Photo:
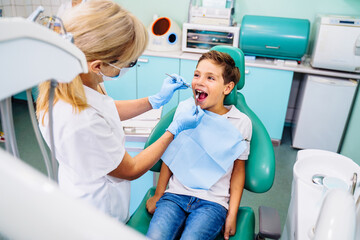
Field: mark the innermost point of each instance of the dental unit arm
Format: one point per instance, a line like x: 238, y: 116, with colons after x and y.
x: 31, y: 54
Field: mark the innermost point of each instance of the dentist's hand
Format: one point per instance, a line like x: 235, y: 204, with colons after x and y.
x: 168, y: 88
x: 186, y: 119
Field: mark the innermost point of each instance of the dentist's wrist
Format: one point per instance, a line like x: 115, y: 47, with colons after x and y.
x: 155, y: 101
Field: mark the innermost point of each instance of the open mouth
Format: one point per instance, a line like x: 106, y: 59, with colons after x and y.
x: 201, y: 95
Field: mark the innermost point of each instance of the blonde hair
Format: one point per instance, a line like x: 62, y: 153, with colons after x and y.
x: 104, y: 31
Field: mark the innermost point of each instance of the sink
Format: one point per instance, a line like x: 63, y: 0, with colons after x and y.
x: 307, y: 195
x: 312, y: 162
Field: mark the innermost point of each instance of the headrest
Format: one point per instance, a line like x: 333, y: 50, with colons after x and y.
x: 239, y: 59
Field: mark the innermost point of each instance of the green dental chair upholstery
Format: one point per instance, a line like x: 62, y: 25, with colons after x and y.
x: 260, y: 166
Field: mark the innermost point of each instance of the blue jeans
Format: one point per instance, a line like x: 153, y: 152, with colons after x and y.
x: 186, y: 217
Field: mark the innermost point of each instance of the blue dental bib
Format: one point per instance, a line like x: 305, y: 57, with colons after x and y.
x: 199, y: 157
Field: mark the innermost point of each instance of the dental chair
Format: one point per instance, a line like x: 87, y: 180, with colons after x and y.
x: 260, y: 166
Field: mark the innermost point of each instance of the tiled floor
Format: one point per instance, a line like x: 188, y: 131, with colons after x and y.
x: 277, y: 197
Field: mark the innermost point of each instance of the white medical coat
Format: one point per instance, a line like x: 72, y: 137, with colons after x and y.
x: 89, y: 145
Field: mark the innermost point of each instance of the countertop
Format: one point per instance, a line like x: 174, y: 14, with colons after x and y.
x: 287, y: 65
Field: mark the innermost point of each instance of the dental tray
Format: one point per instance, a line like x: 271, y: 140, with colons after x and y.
x: 142, y: 124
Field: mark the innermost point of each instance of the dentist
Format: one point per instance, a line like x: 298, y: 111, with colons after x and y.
x: 88, y: 134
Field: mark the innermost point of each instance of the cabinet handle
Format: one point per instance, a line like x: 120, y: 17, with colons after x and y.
x: 143, y: 60
x: 272, y: 47
x: 247, y: 71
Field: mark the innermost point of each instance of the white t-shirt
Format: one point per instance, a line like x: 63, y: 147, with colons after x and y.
x: 89, y: 145
x: 219, y: 192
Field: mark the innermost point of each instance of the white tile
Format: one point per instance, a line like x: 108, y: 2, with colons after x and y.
x: 6, y: 2
x: 7, y: 11
x: 51, y: 11
x: 36, y: 2
x: 54, y: 10
x: 1, y: 4
x: 55, y: 3
x: 21, y: 11
x: 47, y: 11
x: 27, y: 2
x: 19, y: 2
x: 28, y: 10
x: 34, y: 7
x: 46, y: 2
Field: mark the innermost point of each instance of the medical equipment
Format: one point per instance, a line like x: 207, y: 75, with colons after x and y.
x: 337, y: 43
x: 212, y: 12
x: 330, y: 224
x: 196, y: 102
x: 275, y: 37
x: 326, y: 209
x: 200, y: 38
x: 321, y: 111
x: 164, y: 35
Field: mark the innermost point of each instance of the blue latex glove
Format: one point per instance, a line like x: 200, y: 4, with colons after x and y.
x: 185, y: 119
x: 168, y: 88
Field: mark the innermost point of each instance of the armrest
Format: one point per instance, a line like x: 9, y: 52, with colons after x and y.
x: 245, y: 225
x: 140, y: 219
x: 269, y: 223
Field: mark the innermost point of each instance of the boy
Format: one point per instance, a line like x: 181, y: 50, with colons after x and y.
x: 201, y: 213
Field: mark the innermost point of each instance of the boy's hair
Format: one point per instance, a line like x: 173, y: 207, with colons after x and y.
x: 231, y: 73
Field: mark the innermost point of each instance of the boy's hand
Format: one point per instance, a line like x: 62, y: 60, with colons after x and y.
x: 151, y: 204
x: 230, y: 226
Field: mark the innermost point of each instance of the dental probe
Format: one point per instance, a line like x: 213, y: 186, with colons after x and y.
x: 174, y: 78
x: 196, y: 100
x: 188, y: 85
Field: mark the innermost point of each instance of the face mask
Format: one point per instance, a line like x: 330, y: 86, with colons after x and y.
x: 121, y: 73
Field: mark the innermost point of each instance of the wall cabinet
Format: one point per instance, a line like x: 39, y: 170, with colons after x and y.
x: 267, y: 93
x: 124, y: 88
x: 144, y: 80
